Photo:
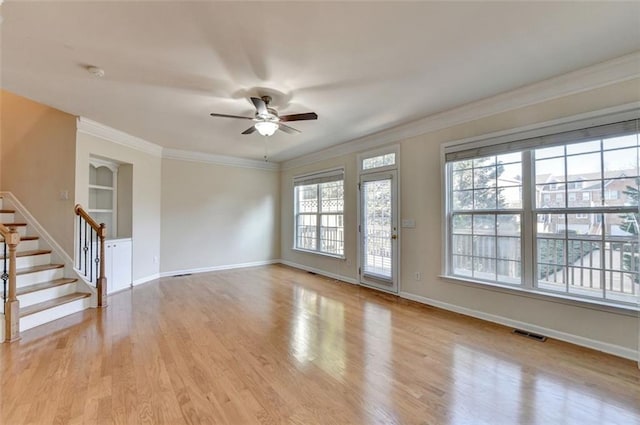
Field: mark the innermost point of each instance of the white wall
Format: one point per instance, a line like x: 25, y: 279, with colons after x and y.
x: 146, y: 215
x: 215, y: 216
x: 421, y: 189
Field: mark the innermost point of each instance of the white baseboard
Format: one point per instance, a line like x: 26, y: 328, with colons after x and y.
x: 218, y: 268
x: 145, y: 279
x: 320, y: 272
x: 616, y: 350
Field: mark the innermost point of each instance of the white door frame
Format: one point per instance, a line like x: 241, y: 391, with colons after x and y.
x: 371, y: 174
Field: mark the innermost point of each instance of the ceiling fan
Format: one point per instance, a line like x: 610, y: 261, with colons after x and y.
x: 267, y: 120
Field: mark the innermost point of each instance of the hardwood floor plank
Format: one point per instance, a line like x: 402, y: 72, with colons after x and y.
x: 275, y: 345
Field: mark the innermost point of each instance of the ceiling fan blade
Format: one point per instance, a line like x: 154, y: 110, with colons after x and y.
x: 299, y: 117
x: 230, y: 116
x: 288, y: 129
x: 249, y: 130
x: 261, y: 107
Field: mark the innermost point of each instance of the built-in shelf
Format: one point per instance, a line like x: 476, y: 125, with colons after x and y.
x: 96, y: 186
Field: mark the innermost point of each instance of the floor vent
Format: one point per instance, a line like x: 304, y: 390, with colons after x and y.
x: 181, y: 275
x: 312, y: 272
x: 531, y: 335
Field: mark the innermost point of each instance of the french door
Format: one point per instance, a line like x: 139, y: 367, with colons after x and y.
x: 378, y: 228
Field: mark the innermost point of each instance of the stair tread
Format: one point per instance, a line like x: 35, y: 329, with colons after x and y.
x: 35, y: 269
x: 24, y: 238
x: 44, y: 285
x: 7, y: 211
x: 21, y: 224
x: 30, y: 253
x: 36, y: 308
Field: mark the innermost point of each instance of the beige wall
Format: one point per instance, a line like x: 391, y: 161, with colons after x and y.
x: 37, y: 146
x: 145, y: 196
x: 421, y: 248
x: 216, y: 215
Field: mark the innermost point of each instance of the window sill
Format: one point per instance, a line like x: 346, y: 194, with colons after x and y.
x: 625, y: 310
x: 324, y: 254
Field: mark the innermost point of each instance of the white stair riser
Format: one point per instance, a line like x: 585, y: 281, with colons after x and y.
x: 27, y: 246
x: 22, y: 230
x: 38, y: 277
x: 33, y: 260
x: 7, y: 217
x: 51, y: 314
x: 46, y: 294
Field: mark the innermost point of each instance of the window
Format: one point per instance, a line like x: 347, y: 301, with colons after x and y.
x: 586, y: 247
x: 319, y: 206
x: 379, y: 161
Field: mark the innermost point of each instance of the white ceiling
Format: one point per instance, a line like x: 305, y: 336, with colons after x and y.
x: 362, y: 67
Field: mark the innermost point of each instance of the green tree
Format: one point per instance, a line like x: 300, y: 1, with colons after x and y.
x: 631, y: 258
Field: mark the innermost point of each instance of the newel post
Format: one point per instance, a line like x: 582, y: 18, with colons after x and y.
x: 102, y: 278
x: 12, y: 305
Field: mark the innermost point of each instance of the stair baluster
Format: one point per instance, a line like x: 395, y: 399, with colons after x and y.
x: 11, y: 303
x: 86, y: 249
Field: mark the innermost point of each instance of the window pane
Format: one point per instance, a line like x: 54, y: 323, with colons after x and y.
x: 508, y: 248
x: 463, y: 200
x: 550, y: 171
x: 620, y: 142
x: 462, y: 265
x: 379, y: 161
x: 332, y: 196
x: 549, y: 152
x: 484, y: 268
x: 484, y: 177
x: 485, y: 199
x: 509, y: 271
x: 583, y: 147
x: 484, y: 224
x: 463, y: 180
x: 307, y: 198
x: 306, y: 232
x: 332, y: 234
x: 620, y: 163
x: 508, y: 224
x: 585, y: 166
x: 551, y: 224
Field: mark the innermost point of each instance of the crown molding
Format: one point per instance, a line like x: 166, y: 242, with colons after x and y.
x: 207, y: 158
x: 96, y: 129
x: 600, y: 75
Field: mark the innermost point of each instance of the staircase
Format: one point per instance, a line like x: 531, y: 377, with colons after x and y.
x: 43, y: 287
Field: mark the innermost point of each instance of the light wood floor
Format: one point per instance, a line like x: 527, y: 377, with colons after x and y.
x: 272, y: 345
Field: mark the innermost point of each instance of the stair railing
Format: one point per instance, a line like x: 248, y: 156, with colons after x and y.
x: 11, y: 239
x: 90, y: 260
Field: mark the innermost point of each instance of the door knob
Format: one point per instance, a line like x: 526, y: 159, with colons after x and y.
x: 394, y: 236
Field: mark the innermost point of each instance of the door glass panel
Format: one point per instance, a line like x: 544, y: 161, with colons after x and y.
x: 377, y: 228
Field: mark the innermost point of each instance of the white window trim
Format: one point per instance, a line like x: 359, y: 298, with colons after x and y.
x: 302, y: 177
x: 620, y: 113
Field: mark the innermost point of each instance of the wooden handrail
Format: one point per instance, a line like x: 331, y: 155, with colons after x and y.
x: 85, y: 215
x: 101, y: 232
x: 11, y: 304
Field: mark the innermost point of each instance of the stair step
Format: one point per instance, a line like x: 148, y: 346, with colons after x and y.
x: 44, y: 285
x: 30, y: 253
x: 7, y: 211
x: 14, y: 224
x: 24, y: 238
x: 36, y: 269
x: 36, y: 308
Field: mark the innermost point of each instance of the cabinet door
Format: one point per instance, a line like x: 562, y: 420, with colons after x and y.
x: 120, y: 253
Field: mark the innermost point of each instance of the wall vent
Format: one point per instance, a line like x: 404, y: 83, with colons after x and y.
x: 531, y: 335
x: 181, y: 275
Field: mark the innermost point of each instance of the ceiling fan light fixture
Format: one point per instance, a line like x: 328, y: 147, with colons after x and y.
x: 266, y: 128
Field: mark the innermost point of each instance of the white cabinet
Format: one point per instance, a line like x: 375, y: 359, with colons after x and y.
x: 118, y: 264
